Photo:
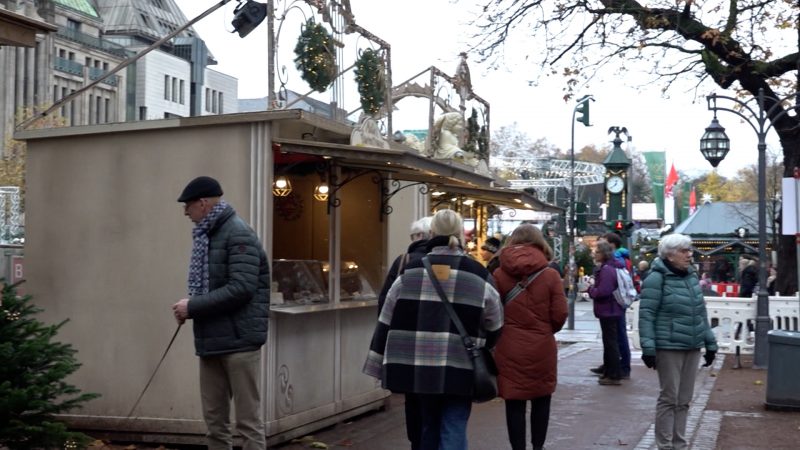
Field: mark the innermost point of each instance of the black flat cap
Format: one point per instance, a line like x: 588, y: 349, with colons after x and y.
x: 200, y: 187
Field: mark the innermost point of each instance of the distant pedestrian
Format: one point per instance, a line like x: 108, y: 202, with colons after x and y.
x: 228, y: 302
x: 415, y: 347
x: 621, y: 260
x: 420, y: 233
x: 673, y: 327
x: 644, y: 270
x: 526, y: 352
x: 748, y: 275
x: 489, y: 253
x: 607, y: 310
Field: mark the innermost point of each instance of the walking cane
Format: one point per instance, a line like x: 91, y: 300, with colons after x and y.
x: 154, y: 372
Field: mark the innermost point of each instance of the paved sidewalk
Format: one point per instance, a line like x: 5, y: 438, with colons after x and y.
x: 585, y: 415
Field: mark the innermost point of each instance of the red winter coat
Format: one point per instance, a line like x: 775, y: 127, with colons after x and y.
x: 526, y: 353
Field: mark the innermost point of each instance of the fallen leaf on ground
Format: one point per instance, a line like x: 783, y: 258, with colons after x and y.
x: 758, y: 382
x: 317, y: 444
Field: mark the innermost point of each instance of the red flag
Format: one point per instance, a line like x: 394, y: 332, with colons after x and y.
x: 672, y: 179
x: 692, y: 201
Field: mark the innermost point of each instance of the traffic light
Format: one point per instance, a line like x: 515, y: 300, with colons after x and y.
x: 583, y: 113
x: 619, y: 226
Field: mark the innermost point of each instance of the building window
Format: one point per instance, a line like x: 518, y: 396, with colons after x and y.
x: 143, y: 113
x: 72, y: 110
x: 208, y: 100
x: 73, y: 25
x: 214, y: 101
x: 91, y: 110
x: 107, y: 117
x: 174, y: 89
x: 219, y: 109
x: 64, y: 112
x: 183, y: 87
x: 99, y: 109
x: 157, y: 3
x: 72, y: 56
x: 105, y: 67
x: 166, y: 87
x: 88, y: 62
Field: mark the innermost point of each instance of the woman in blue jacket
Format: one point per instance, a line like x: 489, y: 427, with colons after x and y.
x: 607, y: 310
x: 673, y: 327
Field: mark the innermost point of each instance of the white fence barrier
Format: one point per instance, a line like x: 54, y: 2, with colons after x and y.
x: 733, y: 320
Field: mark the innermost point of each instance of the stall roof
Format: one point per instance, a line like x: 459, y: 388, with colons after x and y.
x: 19, y: 30
x: 411, y: 166
x: 504, y: 197
x: 402, y: 164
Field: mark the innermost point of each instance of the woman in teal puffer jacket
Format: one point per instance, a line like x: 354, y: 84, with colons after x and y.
x: 673, y: 327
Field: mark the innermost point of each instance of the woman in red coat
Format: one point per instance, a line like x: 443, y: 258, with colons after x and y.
x: 526, y: 353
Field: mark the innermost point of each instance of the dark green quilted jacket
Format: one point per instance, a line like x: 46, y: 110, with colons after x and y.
x: 672, y: 312
x: 233, y: 316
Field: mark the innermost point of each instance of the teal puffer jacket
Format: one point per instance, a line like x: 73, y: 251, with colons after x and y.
x: 233, y: 316
x: 672, y: 312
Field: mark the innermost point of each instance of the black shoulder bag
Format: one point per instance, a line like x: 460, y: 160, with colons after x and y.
x: 484, y: 370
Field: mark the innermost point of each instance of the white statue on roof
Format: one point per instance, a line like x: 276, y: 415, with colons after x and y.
x: 446, y: 132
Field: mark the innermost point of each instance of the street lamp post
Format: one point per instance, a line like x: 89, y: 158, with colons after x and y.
x: 715, y: 145
x: 582, y: 106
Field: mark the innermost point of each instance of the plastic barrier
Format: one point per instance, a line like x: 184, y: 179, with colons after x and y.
x: 733, y: 320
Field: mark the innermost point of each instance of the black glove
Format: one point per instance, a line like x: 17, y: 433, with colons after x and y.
x: 649, y: 361
x: 709, y: 356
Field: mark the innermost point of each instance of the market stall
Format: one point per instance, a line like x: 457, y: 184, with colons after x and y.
x: 107, y: 247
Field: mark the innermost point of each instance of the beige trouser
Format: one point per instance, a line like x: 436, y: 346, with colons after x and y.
x: 233, y: 375
x: 677, y: 370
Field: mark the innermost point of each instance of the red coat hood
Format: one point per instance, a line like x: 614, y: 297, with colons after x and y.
x: 522, y: 260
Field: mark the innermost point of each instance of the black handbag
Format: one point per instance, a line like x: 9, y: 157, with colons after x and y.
x: 484, y: 370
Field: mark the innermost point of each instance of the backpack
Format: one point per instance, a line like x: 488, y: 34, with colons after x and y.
x: 625, y: 293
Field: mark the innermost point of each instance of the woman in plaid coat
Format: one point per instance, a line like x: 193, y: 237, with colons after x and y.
x: 417, y: 349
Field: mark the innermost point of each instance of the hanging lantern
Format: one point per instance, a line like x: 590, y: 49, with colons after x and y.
x: 281, y: 187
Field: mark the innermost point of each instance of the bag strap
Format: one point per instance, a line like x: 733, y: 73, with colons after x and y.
x: 519, y: 287
x: 468, y: 342
x: 403, y: 262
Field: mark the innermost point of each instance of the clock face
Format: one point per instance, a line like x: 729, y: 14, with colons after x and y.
x: 615, y: 184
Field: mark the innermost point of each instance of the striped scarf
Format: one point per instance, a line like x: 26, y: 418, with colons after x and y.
x: 198, y: 264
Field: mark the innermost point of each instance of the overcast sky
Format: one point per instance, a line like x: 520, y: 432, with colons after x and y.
x: 423, y: 33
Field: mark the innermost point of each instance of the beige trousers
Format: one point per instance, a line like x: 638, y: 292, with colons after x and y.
x: 234, y: 375
x: 677, y: 370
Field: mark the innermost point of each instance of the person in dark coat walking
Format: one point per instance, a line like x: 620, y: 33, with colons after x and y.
x: 228, y: 303
x: 607, y: 310
x: 526, y: 353
x: 420, y: 233
x: 748, y: 268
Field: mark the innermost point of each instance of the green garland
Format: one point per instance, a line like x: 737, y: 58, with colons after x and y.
x: 315, y: 58
x: 371, y: 82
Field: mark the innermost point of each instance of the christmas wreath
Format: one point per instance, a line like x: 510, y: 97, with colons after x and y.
x: 315, y: 58
x: 371, y: 82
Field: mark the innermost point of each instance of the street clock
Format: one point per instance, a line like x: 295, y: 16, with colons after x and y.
x: 617, y: 184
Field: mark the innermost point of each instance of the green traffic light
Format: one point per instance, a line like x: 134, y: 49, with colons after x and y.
x: 583, y: 113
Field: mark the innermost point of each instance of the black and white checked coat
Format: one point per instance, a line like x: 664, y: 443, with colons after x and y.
x: 415, y: 347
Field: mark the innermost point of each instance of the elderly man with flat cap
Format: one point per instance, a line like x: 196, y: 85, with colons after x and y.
x: 228, y: 303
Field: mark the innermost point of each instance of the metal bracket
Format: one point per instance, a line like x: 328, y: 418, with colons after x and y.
x: 388, y: 193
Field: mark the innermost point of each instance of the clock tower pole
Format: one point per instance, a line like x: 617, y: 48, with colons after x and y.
x: 617, y: 179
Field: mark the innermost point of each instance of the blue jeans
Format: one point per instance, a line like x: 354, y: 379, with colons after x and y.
x: 444, y: 421
x: 624, y: 347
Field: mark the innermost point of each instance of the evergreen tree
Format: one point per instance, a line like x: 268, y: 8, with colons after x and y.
x: 32, y: 373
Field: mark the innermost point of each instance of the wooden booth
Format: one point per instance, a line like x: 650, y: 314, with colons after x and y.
x: 107, y: 247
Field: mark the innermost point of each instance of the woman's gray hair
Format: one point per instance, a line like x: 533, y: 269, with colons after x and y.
x: 447, y: 222
x: 422, y: 226
x: 605, y: 249
x: 671, y: 243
